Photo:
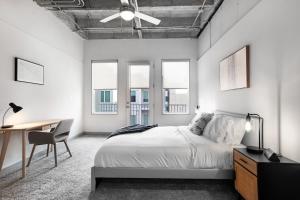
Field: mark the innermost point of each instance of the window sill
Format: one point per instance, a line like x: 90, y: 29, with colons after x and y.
x: 187, y: 113
x: 104, y: 113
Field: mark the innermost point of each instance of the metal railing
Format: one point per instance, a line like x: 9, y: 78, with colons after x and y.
x: 176, y: 108
x: 106, y: 107
x: 134, y: 107
x: 139, y: 113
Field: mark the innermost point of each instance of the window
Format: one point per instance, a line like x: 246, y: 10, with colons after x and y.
x: 133, y: 120
x: 104, y: 87
x: 145, y: 96
x: 145, y: 117
x: 132, y: 96
x: 105, y: 96
x: 139, y: 83
x: 175, y: 86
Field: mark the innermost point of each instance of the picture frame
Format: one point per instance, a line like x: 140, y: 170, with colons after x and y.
x: 29, y: 72
x: 235, y: 70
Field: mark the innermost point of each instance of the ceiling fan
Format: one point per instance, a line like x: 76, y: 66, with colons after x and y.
x: 128, y: 12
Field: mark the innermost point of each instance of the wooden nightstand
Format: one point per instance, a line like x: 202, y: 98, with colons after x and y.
x: 256, y: 178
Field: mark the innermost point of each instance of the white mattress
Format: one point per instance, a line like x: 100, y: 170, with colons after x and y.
x: 164, y: 147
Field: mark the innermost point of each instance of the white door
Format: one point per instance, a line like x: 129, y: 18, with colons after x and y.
x: 140, y: 94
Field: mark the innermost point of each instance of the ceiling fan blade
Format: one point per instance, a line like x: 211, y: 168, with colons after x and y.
x: 147, y: 18
x: 107, y: 19
x: 124, y: 2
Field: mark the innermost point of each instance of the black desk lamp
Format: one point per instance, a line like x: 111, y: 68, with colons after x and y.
x: 15, y: 108
x: 248, y: 127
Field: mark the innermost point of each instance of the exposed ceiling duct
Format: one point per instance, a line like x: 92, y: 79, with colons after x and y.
x: 179, y: 19
x: 60, y: 4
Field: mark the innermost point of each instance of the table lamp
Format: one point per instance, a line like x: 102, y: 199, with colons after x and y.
x: 15, y: 109
x: 248, y: 127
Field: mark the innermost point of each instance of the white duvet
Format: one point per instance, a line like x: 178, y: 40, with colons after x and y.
x: 164, y: 147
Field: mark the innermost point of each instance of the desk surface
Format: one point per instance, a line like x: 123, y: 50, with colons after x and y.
x: 31, y: 125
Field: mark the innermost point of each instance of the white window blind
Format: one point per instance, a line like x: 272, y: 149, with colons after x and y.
x: 104, y: 75
x: 139, y: 76
x: 175, y: 74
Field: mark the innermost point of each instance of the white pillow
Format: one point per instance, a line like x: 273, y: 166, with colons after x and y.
x: 235, y: 130
x: 216, y: 129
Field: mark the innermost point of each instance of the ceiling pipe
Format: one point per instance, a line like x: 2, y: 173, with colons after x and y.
x: 57, y: 2
x: 50, y: 2
x: 57, y: 7
x: 167, y: 28
x: 61, y: 4
x: 216, y: 8
x: 199, y: 12
x: 129, y: 29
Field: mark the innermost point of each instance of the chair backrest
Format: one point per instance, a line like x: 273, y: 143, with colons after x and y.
x: 63, y: 127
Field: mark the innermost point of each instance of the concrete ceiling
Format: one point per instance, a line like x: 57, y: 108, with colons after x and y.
x: 179, y: 18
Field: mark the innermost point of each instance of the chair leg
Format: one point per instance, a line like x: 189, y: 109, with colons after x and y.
x: 48, y: 146
x: 67, y: 148
x: 31, y: 154
x: 55, y: 155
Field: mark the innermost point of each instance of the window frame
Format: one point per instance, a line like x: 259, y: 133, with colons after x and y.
x: 143, y: 92
x: 162, y: 88
x: 93, y: 112
x: 132, y: 91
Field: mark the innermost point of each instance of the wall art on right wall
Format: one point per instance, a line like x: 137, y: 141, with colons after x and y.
x: 234, y: 70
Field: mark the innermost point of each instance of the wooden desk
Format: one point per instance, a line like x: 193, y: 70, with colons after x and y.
x: 22, y: 128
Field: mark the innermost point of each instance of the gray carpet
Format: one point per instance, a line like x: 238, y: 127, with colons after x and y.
x: 71, y: 180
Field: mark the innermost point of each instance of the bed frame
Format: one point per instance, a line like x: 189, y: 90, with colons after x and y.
x: 118, y: 172
x: 98, y: 173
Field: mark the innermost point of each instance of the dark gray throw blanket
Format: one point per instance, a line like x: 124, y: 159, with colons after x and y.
x: 131, y: 129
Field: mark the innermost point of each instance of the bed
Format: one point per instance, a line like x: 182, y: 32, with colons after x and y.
x: 171, y: 152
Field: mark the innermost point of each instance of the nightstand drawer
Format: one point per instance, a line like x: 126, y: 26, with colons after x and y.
x: 245, y: 182
x: 245, y: 162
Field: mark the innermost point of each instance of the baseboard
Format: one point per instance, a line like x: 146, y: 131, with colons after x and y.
x: 75, y: 136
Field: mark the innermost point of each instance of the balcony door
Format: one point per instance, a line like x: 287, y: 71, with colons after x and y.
x: 139, y: 98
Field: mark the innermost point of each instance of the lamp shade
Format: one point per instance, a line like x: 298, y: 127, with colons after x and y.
x: 15, y: 107
x: 248, y: 125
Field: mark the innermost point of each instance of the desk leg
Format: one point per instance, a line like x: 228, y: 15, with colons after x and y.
x: 23, y: 154
x: 6, y: 136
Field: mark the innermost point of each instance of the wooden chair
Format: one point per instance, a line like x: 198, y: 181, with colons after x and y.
x: 59, y: 134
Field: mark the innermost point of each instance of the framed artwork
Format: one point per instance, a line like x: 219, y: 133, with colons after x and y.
x: 234, y: 70
x: 29, y: 72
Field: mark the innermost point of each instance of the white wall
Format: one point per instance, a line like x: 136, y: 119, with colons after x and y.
x: 229, y: 13
x: 30, y: 32
x: 136, y: 50
x: 272, y: 30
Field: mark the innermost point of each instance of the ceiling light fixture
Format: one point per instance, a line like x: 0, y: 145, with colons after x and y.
x: 127, y: 12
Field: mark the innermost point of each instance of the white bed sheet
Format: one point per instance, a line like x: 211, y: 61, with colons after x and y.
x: 164, y: 147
